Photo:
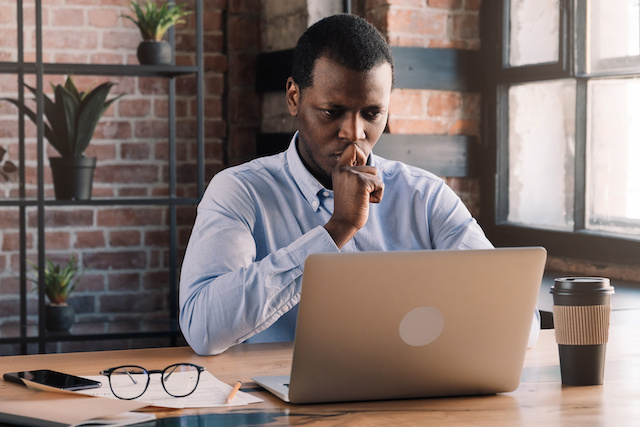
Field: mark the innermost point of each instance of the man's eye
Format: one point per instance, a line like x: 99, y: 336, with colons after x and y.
x: 330, y: 113
x: 372, y: 115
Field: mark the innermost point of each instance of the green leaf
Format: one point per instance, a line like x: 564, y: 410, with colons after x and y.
x: 66, y: 116
x: 71, y: 88
x: 48, y: 132
x: 91, y: 109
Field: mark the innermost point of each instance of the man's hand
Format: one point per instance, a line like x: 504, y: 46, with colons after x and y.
x: 355, y: 185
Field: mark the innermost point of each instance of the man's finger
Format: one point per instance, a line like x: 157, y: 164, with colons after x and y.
x: 361, y: 159
x: 348, y: 157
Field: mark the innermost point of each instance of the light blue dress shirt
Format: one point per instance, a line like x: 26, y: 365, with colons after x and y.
x: 257, y: 222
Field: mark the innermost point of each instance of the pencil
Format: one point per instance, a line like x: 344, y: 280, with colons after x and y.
x: 233, y: 392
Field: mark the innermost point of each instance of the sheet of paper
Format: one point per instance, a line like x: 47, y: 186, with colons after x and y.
x: 66, y: 409
x: 211, y: 392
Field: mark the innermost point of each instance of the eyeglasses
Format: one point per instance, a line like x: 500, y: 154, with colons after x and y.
x: 130, y: 382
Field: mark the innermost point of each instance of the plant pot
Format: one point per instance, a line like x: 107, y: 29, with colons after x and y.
x: 154, y: 53
x: 58, y: 317
x: 72, y: 177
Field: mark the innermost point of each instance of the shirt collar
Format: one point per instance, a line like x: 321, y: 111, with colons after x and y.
x: 307, y: 183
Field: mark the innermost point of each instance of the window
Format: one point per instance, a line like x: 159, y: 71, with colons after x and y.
x: 563, y: 108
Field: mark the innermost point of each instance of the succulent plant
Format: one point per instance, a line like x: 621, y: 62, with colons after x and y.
x: 60, y: 281
x: 153, y: 21
x: 72, y: 115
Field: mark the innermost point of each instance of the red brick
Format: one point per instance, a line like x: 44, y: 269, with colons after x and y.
x: 465, y: 26
x: 135, y: 151
x: 103, y: 151
x: 89, y: 239
x: 151, y: 129
x: 103, y: 18
x: 124, y: 238
x: 153, y: 86
x: 124, y: 281
x: 107, y: 58
x: 126, y: 174
x: 243, y: 32
x: 57, y: 240
x: 242, y: 70
x: 159, y: 238
x: 76, y: 217
x: 120, y: 40
x: 129, y: 217
x: 424, y: 126
x: 9, y: 218
x: 69, y: 39
x: 156, y: 280
x: 473, y: 5
x: 215, y: 62
x: 131, y: 303
x: 445, y: 4
x: 69, y: 17
x: 11, y: 241
x: 407, y: 103
x: 443, y: 104
x: 131, y: 107
x: 122, y: 260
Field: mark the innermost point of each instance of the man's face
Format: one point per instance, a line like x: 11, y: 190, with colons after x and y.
x: 342, y: 107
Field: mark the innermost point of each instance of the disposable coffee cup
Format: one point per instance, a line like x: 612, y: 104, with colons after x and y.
x: 581, y: 313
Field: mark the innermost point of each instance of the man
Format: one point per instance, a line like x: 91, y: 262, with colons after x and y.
x: 328, y: 192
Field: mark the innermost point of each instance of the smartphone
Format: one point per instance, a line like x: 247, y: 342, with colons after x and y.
x: 53, y: 379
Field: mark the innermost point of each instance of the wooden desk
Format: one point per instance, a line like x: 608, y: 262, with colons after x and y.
x: 540, y: 400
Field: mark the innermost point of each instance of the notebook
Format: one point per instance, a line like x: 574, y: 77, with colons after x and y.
x: 397, y: 325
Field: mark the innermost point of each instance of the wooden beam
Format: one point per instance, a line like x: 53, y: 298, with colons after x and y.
x: 415, y: 68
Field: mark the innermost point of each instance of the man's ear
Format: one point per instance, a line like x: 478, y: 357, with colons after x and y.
x: 293, y: 96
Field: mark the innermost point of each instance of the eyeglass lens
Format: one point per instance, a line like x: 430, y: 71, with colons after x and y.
x: 180, y: 380
x: 130, y: 382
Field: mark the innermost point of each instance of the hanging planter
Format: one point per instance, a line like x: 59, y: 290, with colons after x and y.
x: 153, y: 22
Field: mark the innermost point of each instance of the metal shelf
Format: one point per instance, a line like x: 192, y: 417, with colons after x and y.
x: 160, y: 201
x: 39, y: 68
x: 167, y: 71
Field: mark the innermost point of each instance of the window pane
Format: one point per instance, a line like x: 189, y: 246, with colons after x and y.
x: 613, y: 35
x: 534, y: 32
x: 613, y: 156
x: 541, y: 153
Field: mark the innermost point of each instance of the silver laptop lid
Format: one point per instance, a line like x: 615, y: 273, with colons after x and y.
x: 392, y: 325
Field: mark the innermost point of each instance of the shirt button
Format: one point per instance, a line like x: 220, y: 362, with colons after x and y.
x: 325, y: 193
x: 314, y: 204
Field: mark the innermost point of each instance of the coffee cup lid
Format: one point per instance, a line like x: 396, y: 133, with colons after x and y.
x: 572, y: 285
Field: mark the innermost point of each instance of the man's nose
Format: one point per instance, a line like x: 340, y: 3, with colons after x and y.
x: 352, y: 128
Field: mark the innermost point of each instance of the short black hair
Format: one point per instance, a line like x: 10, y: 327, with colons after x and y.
x: 347, y: 39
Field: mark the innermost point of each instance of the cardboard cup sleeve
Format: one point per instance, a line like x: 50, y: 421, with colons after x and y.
x: 581, y: 325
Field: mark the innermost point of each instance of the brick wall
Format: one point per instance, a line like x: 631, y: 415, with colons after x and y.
x: 433, y: 24
x: 125, y: 247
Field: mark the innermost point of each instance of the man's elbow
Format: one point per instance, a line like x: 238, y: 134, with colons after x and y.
x: 204, y: 342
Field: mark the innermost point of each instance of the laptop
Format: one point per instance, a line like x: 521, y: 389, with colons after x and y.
x: 398, y: 325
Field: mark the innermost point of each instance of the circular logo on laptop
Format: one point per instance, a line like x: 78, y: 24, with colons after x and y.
x: 421, y: 326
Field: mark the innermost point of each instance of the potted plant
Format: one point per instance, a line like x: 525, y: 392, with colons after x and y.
x: 59, y: 282
x: 153, y: 22
x: 72, y: 118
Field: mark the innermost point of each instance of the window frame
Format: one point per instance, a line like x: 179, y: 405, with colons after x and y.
x: 581, y: 243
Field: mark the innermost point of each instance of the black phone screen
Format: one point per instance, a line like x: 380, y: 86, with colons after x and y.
x: 53, y: 379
